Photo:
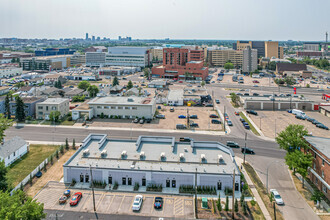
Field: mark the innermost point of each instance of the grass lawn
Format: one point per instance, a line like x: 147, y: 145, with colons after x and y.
x: 262, y: 191
x: 251, y: 126
x: 33, y: 122
x: 22, y: 167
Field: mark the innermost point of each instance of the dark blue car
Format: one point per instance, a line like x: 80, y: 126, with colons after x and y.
x: 158, y: 203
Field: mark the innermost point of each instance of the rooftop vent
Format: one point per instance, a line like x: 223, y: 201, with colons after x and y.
x: 132, y: 166
x: 104, y: 153
x: 86, y: 152
x: 203, y: 158
x: 162, y: 156
x: 185, y: 149
x: 142, y: 155
x: 124, y: 153
x: 130, y: 100
x: 181, y: 156
x: 220, y: 157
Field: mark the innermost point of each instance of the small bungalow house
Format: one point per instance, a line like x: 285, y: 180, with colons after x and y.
x: 13, y: 149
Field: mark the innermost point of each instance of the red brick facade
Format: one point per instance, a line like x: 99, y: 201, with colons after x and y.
x: 178, y: 61
x: 321, y: 167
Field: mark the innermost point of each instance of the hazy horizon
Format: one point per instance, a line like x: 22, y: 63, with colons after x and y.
x: 281, y: 20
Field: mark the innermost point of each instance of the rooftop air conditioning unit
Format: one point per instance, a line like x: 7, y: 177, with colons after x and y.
x: 181, y: 156
x: 86, y: 152
x: 203, y: 156
x: 124, y: 153
x: 162, y: 155
x: 220, y: 157
x: 142, y: 154
x: 185, y: 149
x: 104, y: 153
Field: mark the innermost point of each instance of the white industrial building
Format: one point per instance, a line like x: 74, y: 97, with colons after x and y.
x: 9, y: 71
x: 175, y: 97
x: 95, y: 59
x: 128, y: 56
x: 117, y: 107
x: 153, y: 160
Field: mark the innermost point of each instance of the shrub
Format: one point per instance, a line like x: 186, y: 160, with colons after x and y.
x: 73, y: 144
x: 21, y: 187
x: 155, y: 187
x: 56, y: 154
x: 228, y: 191
x: 45, y: 166
x: 111, y: 116
x: 227, y: 204
x: 66, y: 144
x: 115, y: 186
x: 70, y: 118
x: 30, y: 180
x: 51, y: 159
x: 29, y: 118
x: 62, y: 149
x: 99, y: 184
x: 219, y: 203
x: 73, y: 182
x: 236, y: 205
x: 245, y: 208
x: 253, y: 203
x: 242, y: 199
x: 136, y: 186
x: 102, y: 115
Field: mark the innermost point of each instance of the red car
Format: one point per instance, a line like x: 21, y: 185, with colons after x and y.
x: 75, y: 198
x: 255, y: 81
x: 236, y: 113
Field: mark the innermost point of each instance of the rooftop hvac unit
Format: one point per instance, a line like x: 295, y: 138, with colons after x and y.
x: 203, y: 156
x: 162, y: 155
x: 181, y: 155
x: 185, y: 149
x: 220, y: 157
x: 124, y: 153
x: 104, y: 153
x: 86, y: 152
x: 142, y: 154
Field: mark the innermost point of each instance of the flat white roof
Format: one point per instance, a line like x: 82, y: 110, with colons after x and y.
x: 121, y: 100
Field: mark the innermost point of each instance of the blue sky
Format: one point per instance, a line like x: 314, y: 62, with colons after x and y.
x: 176, y: 19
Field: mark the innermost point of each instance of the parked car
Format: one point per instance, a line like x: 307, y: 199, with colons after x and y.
x: 181, y: 126
x: 232, y: 144
x: 320, y: 125
x: 247, y: 150
x: 75, y: 198
x: 314, y: 122
x: 137, y: 203
x: 255, y: 86
x: 214, y: 116
x: 158, y: 204
x: 217, y: 101
x: 215, y: 121
x: 148, y: 120
x: 255, y: 81
x: 246, y: 125
x: 242, y: 120
x: 252, y: 112
x: 278, y: 199
x: 246, y: 94
x: 209, y: 105
x: 141, y: 121
x: 310, y: 119
x: 194, y: 125
x: 185, y: 139
x: 301, y: 117
x: 136, y: 120
x: 159, y: 107
x: 182, y: 116
x: 225, y: 114
x: 289, y: 110
x: 160, y: 116
x: 171, y: 109
x: 237, y: 113
x: 255, y: 94
x: 63, y: 199
x: 193, y: 116
x: 229, y: 123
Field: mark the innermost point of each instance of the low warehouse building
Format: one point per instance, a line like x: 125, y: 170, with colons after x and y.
x: 325, y: 110
x: 152, y: 160
x: 277, y: 103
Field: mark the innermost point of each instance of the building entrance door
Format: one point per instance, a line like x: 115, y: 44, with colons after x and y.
x: 173, y: 183
x: 168, y: 183
x: 219, y: 185
x: 124, y: 181
x: 129, y: 181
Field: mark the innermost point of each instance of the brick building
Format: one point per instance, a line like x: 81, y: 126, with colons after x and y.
x: 319, y: 173
x: 177, y: 62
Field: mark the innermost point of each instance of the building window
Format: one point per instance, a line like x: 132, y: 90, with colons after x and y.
x: 120, y: 107
x: 126, y: 107
x: 322, y: 173
x: 324, y: 188
x: 54, y: 108
x: 8, y: 157
x: 113, y: 107
x: 134, y: 108
x: 322, y: 162
x: 316, y: 181
x: 40, y: 107
x: 98, y: 107
x: 315, y: 155
x: 314, y: 166
x: 46, y: 108
x: 14, y: 154
x: 106, y: 107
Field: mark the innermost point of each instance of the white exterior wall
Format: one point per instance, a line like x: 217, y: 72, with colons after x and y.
x: 18, y: 154
x: 9, y: 72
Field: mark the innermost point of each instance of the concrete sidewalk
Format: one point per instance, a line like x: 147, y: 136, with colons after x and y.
x: 254, y: 190
x: 127, y: 129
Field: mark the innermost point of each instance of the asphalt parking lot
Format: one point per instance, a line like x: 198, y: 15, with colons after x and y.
x: 117, y: 203
x: 266, y: 121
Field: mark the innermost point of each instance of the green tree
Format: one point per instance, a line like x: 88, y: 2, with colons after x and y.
x: 84, y: 85
x: 66, y: 144
x: 20, y: 84
x: 54, y: 116
x: 115, y: 81
x: 73, y: 144
x: 234, y: 98
x: 7, y: 106
x: 129, y: 85
x: 227, y: 204
x: 308, y: 86
x: 20, y: 110
x: 92, y: 90
x: 236, y: 205
x: 291, y: 138
x: 219, y: 203
x: 55, y: 84
x: 20, y: 206
x: 56, y: 154
x: 4, y: 124
x: 203, y: 83
x: 291, y: 159
x: 242, y: 199
x: 3, y: 176
x: 59, y: 84
x: 304, y: 161
x: 290, y: 81
x: 271, y: 66
x: 228, y: 66
x: 146, y: 72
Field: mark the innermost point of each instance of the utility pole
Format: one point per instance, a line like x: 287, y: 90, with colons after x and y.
x: 213, y: 98
x: 233, y: 199
x: 274, y: 211
x: 188, y: 123
x: 224, y: 120
x: 90, y: 169
x: 196, y: 192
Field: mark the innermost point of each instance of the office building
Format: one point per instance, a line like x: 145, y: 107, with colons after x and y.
x: 77, y: 60
x: 273, y: 50
x: 157, y: 54
x: 95, y: 59
x: 43, y: 109
x: 220, y: 57
x: 86, y: 36
x: 96, y: 49
x: 153, y: 160
x: 250, y: 60
x: 93, y: 38
x: 319, y: 172
x: 182, y: 63
x: 312, y: 46
x: 128, y: 56
x: 54, y: 52
x: 264, y: 48
x: 47, y: 63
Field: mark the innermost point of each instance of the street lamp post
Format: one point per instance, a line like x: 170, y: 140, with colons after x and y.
x: 90, y: 169
x: 276, y: 161
x: 244, y: 147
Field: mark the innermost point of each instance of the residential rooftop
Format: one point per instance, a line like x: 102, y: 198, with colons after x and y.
x: 11, y: 146
x: 51, y: 101
x: 151, y: 153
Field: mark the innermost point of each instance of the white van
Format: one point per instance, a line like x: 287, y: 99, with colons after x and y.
x: 298, y: 112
